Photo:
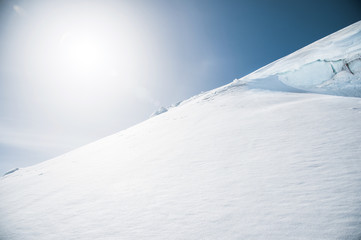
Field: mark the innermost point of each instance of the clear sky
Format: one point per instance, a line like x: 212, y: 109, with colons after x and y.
x: 74, y: 71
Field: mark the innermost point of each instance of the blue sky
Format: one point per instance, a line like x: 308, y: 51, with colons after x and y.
x: 72, y: 72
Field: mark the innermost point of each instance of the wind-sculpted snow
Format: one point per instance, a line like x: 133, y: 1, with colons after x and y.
x: 341, y: 77
x: 260, y: 158
x: 331, y: 65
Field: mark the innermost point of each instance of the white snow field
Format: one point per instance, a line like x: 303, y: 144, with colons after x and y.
x: 274, y: 155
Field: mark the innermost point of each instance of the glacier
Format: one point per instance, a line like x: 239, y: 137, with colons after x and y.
x: 273, y: 155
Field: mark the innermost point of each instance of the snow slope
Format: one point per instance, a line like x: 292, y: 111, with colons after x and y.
x: 265, y: 157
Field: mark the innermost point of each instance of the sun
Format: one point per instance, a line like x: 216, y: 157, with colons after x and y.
x: 80, y: 51
x: 78, y: 54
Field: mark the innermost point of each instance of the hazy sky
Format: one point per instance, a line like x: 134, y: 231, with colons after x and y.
x: 74, y: 71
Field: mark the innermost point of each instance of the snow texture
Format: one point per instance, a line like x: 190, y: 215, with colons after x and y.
x: 274, y: 155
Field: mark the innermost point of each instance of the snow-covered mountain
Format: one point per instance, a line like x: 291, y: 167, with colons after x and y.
x: 273, y: 155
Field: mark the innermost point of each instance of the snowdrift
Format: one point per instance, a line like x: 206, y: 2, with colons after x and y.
x: 273, y: 155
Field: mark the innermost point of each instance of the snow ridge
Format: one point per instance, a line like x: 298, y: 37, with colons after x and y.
x: 331, y: 65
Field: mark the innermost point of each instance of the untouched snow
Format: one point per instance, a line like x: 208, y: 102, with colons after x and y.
x: 261, y: 158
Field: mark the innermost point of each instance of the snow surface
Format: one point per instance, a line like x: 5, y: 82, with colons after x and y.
x: 261, y: 158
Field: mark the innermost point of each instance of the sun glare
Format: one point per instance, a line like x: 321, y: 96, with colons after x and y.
x: 82, y: 52
x: 65, y: 45
x: 76, y: 56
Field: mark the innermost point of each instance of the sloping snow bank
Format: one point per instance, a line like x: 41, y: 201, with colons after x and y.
x: 240, y: 164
